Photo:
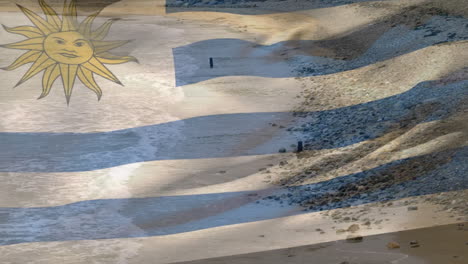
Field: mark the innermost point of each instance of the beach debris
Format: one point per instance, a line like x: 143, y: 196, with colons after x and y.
x: 300, y: 146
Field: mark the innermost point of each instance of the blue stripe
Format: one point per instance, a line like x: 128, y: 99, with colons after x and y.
x: 155, y: 216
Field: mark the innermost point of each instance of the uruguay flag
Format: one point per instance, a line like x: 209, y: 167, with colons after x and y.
x: 193, y: 145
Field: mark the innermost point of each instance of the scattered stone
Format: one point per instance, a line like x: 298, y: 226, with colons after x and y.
x: 353, y: 228
x: 393, y: 245
x: 412, y: 208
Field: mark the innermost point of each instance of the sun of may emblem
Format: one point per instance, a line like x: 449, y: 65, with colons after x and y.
x: 60, y: 46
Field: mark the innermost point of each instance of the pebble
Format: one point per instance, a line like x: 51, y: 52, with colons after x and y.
x: 353, y: 228
x: 393, y: 245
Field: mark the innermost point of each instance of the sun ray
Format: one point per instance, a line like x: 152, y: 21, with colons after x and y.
x: 50, y: 75
x: 87, y: 78
x: 28, y: 57
x: 115, y: 59
x: 103, y: 46
x: 28, y: 44
x: 68, y: 73
x: 103, y: 30
x: 72, y: 9
x: 69, y: 17
x: 85, y: 26
x: 98, y: 68
x: 41, y: 63
x: 27, y: 31
x: 51, y: 15
x: 38, y: 21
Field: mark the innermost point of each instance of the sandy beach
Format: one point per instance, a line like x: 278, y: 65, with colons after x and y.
x: 203, y: 160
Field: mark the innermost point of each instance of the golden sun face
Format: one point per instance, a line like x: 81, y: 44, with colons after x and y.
x: 68, y: 47
x: 62, y: 47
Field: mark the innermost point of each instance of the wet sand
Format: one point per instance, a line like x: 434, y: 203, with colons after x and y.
x: 435, y: 245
